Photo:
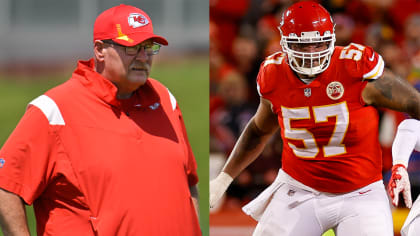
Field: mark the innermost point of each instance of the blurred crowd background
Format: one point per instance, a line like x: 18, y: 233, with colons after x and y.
x: 244, y: 32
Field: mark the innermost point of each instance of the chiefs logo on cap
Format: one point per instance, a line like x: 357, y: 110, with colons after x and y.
x: 335, y: 90
x: 137, y: 20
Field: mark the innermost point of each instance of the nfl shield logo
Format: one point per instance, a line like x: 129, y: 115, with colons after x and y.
x: 307, y: 92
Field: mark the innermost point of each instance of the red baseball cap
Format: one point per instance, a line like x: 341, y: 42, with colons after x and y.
x: 125, y: 25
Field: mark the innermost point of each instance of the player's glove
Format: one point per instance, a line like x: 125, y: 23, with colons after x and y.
x: 218, y: 187
x: 398, y: 183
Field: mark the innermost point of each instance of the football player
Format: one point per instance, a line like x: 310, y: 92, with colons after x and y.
x: 324, y: 99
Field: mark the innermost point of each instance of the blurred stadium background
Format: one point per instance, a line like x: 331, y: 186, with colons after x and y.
x: 42, y: 40
x: 242, y: 33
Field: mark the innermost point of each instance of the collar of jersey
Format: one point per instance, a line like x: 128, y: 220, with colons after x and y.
x: 107, y: 91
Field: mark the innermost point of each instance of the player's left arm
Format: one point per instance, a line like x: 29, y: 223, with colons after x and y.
x: 194, y: 197
x: 393, y: 92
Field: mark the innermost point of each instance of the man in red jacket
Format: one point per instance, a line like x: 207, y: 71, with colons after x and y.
x: 105, y: 153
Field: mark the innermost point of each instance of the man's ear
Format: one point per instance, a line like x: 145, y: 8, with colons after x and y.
x: 98, y: 49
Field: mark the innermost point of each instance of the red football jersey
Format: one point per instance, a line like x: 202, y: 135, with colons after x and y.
x: 330, y: 135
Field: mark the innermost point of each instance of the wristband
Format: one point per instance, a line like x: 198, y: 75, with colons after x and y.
x: 224, y: 180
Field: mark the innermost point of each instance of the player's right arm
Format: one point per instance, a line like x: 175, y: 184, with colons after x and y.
x: 12, y: 215
x: 248, y: 147
x: 252, y: 140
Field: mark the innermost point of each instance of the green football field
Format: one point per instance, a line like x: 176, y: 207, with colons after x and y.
x: 188, y: 81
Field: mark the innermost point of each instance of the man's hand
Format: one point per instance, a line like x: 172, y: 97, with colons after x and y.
x: 218, y: 187
x: 398, y: 183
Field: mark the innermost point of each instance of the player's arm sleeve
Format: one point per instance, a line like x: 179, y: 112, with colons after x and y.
x: 372, y: 64
x: 260, y: 84
x: 25, y: 157
x: 265, y: 81
x: 406, y: 140
x: 361, y: 62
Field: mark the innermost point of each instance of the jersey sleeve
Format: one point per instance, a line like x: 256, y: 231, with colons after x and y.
x: 265, y: 82
x: 25, y: 156
x: 373, y: 64
x: 362, y: 61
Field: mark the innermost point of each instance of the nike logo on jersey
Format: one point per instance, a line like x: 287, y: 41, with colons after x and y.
x: 372, y: 57
x: 363, y: 192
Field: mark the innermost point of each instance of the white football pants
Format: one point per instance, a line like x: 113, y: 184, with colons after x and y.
x: 294, y: 211
x: 412, y: 223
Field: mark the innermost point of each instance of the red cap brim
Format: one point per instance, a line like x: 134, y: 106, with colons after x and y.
x: 139, y: 37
